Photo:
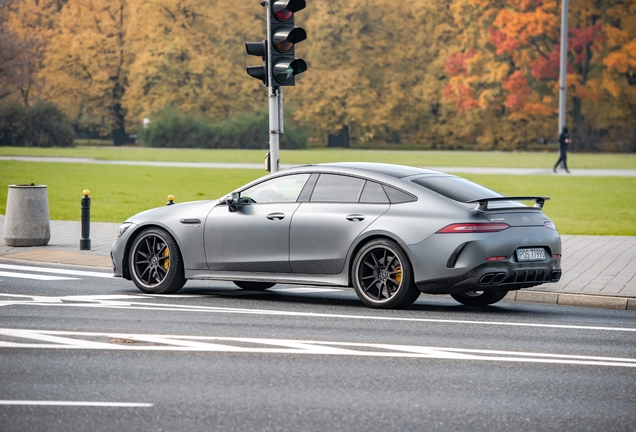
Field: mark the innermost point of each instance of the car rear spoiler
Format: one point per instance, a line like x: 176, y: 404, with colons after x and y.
x: 483, y: 202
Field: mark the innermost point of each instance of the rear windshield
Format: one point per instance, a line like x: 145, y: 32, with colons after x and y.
x: 456, y: 188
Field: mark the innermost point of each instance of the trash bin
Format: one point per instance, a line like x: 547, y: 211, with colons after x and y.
x: 27, y: 220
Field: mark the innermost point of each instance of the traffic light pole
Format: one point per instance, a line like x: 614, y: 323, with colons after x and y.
x: 274, y: 95
x: 275, y: 121
x: 279, y: 67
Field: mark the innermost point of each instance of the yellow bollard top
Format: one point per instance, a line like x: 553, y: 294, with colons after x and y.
x: 86, y: 192
x: 170, y: 197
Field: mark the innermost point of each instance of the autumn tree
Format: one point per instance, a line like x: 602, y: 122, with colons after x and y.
x: 20, y: 58
x: 619, y: 76
x: 444, y: 72
x: 191, y: 57
x: 506, y: 77
x: 374, y: 68
x: 86, y: 63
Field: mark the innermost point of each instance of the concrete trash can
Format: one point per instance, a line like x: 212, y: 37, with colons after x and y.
x: 27, y: 220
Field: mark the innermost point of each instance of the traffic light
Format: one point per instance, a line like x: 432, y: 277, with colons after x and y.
x: 282, y: 38
x: 258, y: 49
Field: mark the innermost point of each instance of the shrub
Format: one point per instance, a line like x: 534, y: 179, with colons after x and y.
x: 43, y: 125
x: 49, y: 127
x: 13, y: 124
x: 244, y: 131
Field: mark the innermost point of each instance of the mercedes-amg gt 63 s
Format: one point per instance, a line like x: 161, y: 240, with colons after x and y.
x: 388, y: 231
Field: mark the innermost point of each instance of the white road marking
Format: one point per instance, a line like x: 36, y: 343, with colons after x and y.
x: 78, y: 403
x: 34, y: 276
x: 140, y: 342
x: 104, y: 302
x: 56, y: 271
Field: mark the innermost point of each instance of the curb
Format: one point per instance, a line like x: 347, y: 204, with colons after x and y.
x: 580, y: 300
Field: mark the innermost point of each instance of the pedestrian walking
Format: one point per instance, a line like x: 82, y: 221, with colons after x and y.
x: 564, y: 140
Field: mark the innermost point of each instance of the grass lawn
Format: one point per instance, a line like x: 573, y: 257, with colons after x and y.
x: 417, y: 158
x: 579, y: 205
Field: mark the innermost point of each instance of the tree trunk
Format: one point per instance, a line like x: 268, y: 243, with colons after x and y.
x: 585, y: 143
x: 340, y: 140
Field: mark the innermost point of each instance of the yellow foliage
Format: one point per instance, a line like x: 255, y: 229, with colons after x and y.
x: 611, y: 86
x: 616, y: 60
x: 374, y: 67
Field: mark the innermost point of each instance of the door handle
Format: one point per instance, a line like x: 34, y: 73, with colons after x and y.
x: 277, y: 215
x: 355, y: 217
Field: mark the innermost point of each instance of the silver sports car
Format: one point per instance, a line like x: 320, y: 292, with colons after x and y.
x: 388, y: 231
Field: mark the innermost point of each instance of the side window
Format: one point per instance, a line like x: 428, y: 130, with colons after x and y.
x: 279, y: 189
x: 337, y: 188
x: 373, y: 193
x: 397, y: 196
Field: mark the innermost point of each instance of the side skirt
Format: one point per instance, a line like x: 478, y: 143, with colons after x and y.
x: 291, y: 278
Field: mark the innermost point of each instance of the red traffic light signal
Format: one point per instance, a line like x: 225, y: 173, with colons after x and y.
x: 282, y: 39
x: 283, y: 10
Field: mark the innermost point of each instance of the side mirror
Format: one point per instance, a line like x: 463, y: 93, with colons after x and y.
x: 232, y: 202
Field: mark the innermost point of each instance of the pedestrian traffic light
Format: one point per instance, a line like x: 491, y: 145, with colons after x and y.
x: 258, y: 49
x: 282, y: 38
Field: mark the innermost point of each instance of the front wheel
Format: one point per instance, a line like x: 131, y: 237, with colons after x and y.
x: 382, y: 276
x: 156, y: 266
x: 479, y: 298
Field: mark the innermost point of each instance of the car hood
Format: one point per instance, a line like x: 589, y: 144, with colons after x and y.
x: 194, y: 209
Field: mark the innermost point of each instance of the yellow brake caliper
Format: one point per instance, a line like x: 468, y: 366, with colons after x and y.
x: 398, y: 275
x: 166, y: 263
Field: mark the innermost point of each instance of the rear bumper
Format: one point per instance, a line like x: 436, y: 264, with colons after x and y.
x: 499, y: 276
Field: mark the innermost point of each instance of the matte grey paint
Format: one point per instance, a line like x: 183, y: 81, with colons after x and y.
x: 314, y: 243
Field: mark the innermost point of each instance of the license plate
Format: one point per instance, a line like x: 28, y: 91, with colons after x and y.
x: 531, y: 254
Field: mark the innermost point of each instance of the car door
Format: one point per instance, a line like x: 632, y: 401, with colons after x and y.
x: 324, y: 227
x: 256, y: 237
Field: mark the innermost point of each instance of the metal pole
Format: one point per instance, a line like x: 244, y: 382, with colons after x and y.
x: 563, y: 65
x: 85, y: 241
x: 273, y: 96
x: 281, y: 123
x: 274, y: 128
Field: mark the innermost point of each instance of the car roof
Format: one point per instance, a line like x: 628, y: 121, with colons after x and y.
x: 397, y: 171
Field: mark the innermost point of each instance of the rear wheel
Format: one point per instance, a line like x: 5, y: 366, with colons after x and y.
x: 155, y: 263
x: 254, y: 286
x: 479, y: 298
x: 382, y: 276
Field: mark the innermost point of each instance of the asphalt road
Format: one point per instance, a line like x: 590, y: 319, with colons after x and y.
x: 80, y: 351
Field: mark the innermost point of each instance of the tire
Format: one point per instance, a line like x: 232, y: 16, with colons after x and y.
x: 382, y: 276
x: 479, y: 298
x: 155, y: 262
x: 254, y: 286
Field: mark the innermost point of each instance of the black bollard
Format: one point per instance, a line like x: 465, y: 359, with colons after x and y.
x: 85, y: 241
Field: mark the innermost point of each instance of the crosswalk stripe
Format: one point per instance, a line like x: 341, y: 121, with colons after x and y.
x: 56, y: 271
x: 34, y: 276
x: 36, y: 339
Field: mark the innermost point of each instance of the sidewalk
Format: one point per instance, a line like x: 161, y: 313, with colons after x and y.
x: 584, y: 172
x: 598, y: 271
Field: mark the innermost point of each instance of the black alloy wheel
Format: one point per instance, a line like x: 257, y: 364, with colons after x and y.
x: 382, y: 276
x: 253, y: 286
x: 156, y: 266
x: 479, y: 298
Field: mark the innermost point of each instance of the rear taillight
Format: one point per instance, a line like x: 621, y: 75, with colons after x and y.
x: 496, y: 258
x: 473, y: 228
x: 550, y: 225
